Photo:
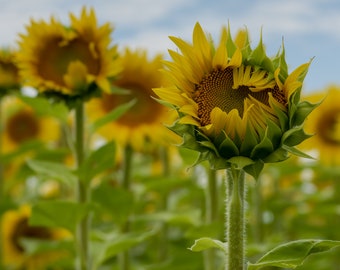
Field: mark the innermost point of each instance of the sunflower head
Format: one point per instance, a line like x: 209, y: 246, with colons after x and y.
x: 324, y: 123
x: 15, y: 227
x: 9, y: 72
x: 22, y: 124
x: 235, y: 105
x: 141, y: 126
x: 68, y: 62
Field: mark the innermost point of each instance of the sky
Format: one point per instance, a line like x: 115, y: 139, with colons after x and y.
x: 309, y: 29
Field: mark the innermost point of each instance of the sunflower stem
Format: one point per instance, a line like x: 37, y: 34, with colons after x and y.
x: 124, y: 260
x: 235, y: 227
x: 82, y: 233
x: 211, y: 216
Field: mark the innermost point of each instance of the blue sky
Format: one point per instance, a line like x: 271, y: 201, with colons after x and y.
x: 309, y: 28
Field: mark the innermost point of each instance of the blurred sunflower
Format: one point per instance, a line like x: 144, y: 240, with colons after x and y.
x: 141, y: 127
x: 15, y: 228
x: 9, y: 73
x: 68, y: 61
x: 233, y: 101
x: 324, y: 122
x: 21, y: 124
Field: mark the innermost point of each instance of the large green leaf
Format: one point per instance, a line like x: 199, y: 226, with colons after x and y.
x: 205, y: 243
x: 112, y: 244
x: 293, y: 254
x: 43, y: 106
x: 62, y: 214
x: 113, y: 115
x: 54, y: 170
x: 99, y: 160
x: 113, y: 200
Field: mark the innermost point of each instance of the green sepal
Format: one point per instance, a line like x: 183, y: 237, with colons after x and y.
x: 254, y: 169
x: 189, y: 141
x: 210, y: 146
x: 248, y: 143
x: 246, y: 50
x: 181, y: 129
x: 296, y: 152
x: 227, y: 148
x: 295, y: 136
x: 240, y: 162
x: 274, y: 133
x: 280, y: 62
x: 303, y: 109
x: 259, y: 58
x: 278, y: 155
x: 283, y: 118
x: 263, y: 149
x: 164, y: 103
x: 231, y: 47
x: 216, y: 163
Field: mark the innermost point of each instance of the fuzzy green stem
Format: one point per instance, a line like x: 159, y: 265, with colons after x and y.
x: 124, y: 260
x: 235, y: 227
x: 211, y: 216
x: 82, y: 189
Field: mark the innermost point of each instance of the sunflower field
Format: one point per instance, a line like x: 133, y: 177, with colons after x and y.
x: 211, y: 159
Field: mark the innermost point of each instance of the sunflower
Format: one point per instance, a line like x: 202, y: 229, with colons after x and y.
x: 324, y: 122
x: 9, y: 72
x: 68, y: 61
x: 21, y: 124
x: 234, y: 101
x: 141, y: 127
x: 15, y: 227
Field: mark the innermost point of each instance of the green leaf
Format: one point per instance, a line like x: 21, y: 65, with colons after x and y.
x: 31, y: 145
x: 191, y: 217
x: 98, y: 161
x: 43, y: 106
x: 54, y: 170
x: 117, y: 202
x: 205, y: 243
x: 62, y: 214
x: 114, y: 244
x: 293, y: 254
x: 113, y: 115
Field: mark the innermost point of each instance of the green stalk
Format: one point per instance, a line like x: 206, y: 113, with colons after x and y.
x: 124, y: 260
x: 235, y: 227
x: 82, y: 233
x: 211, y: 216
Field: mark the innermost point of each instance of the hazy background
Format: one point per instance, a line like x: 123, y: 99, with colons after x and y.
x: 310, y: 28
